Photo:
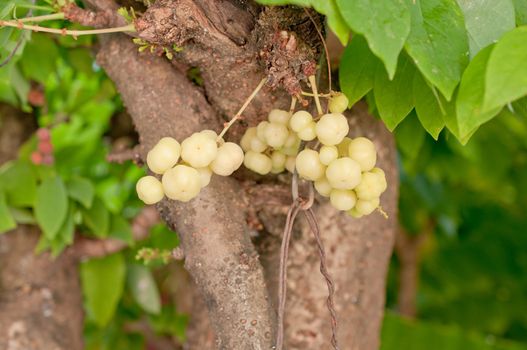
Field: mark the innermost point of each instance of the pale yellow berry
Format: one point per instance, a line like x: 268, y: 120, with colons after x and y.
x: 278, y: 159
x: 149, y: 190
x: 342, y: 199
x: 308, y: 165
x: 332, y: 128
x: 300, y: 120
x: 343, y: 147
x: 257, y: 145
x: 354, y: 213
x: 328, y: 154
x: 308, y: 133
x: 260, y: 129
x: 164, y: 155
x: 383, y: 182
x: 276, y: 134
x: 210, y: 133
x: 365, y: 207
x: 279, y: 116
x: 292, y: 140
x: 290, y: 164
x: 181, y: 183
x: 343, y: 173
x: 338, y: 103
x: 371, y: 186
x: 323, y: 187
x: 258, y: 162
x: 363, y: 151
x: 204, y: 175
x: 199, y: 150
x: 245, y: 142
x: 228, y: 159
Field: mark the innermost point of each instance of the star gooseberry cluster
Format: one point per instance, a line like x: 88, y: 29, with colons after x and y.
x: 342, y: 168
x: 187, y: 167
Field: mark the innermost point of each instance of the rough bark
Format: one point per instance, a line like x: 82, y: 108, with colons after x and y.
x: 213, y: 228
x: 40, y: 297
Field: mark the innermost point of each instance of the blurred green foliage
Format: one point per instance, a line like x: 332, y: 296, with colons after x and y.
x: 473, y: 281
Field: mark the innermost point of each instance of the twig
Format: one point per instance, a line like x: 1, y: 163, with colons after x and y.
x: 245, y: 104
x: 326, y: 51
x: 63, y: 31
x: 313, y: 82
x: 59, y: 15
x: 313, y: 224
x: 120, y: 157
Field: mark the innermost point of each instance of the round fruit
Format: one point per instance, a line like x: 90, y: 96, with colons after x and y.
x: 343, y: 199
x: 278, y: 160
x: 309, y: 166
x: 149, y: 190
x: 257, y: 145
x: 228, y: 159
x: 338, y: 103
x: 365, y: 207
x: 199, y: 150
x: 353, y: 212
x: 300, y: 120
x: 204, y: 175
x: 181, y: 183
x: 258, y: 162
x: 164, y: 155
x: 43, y: 134
x: 383, y: 182
x: 45, y: 147
x: 343, y: 147
x: 332, y: 128
x: 279, y: 116
x: 245, y: 142
x: 290, y: 164
x: 328, y: 154
x: 260, y: 129
x: 371, y: 186
x: 292, y: 141
x: 323, y: 187
x: 276, y: 134
x: 308, y: 133
x: 210, y: 133
x: 362, y: 150
x: 343, y: 173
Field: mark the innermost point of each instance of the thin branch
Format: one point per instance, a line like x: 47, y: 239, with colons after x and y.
x: 53, y: 16
x: 63, y: 31
x: 246, y: 103
x: 313, y: 82
x: 326, y: 51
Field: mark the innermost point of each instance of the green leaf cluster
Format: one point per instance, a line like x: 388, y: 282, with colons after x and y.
x: 457, y: 63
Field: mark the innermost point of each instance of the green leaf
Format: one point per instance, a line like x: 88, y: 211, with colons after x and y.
x: 120, y: 229
x: 7, y: 222
x: 335, y: 21
x: 357, y: 69
x: 67, y: 230
x: 395, y: 98
x: 410, y: 136
x: 384, y: 23
x: 51, y: 206
x: 486, y: 21
x: 520, y: 7
x: 97, y: 218
x: 438, y: 42
x: 81, y: 190
x: 469, y: 101
x: 43, y: 47
x: 144, y: 288
x: 506, y: 78
x: 20, y: 183
x: 102, y: 286
x: 23, y: 216
x: 427, y: 105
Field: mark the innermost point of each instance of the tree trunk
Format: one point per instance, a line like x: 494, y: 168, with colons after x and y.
x: 237, y: 284
x: 235, y: 44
